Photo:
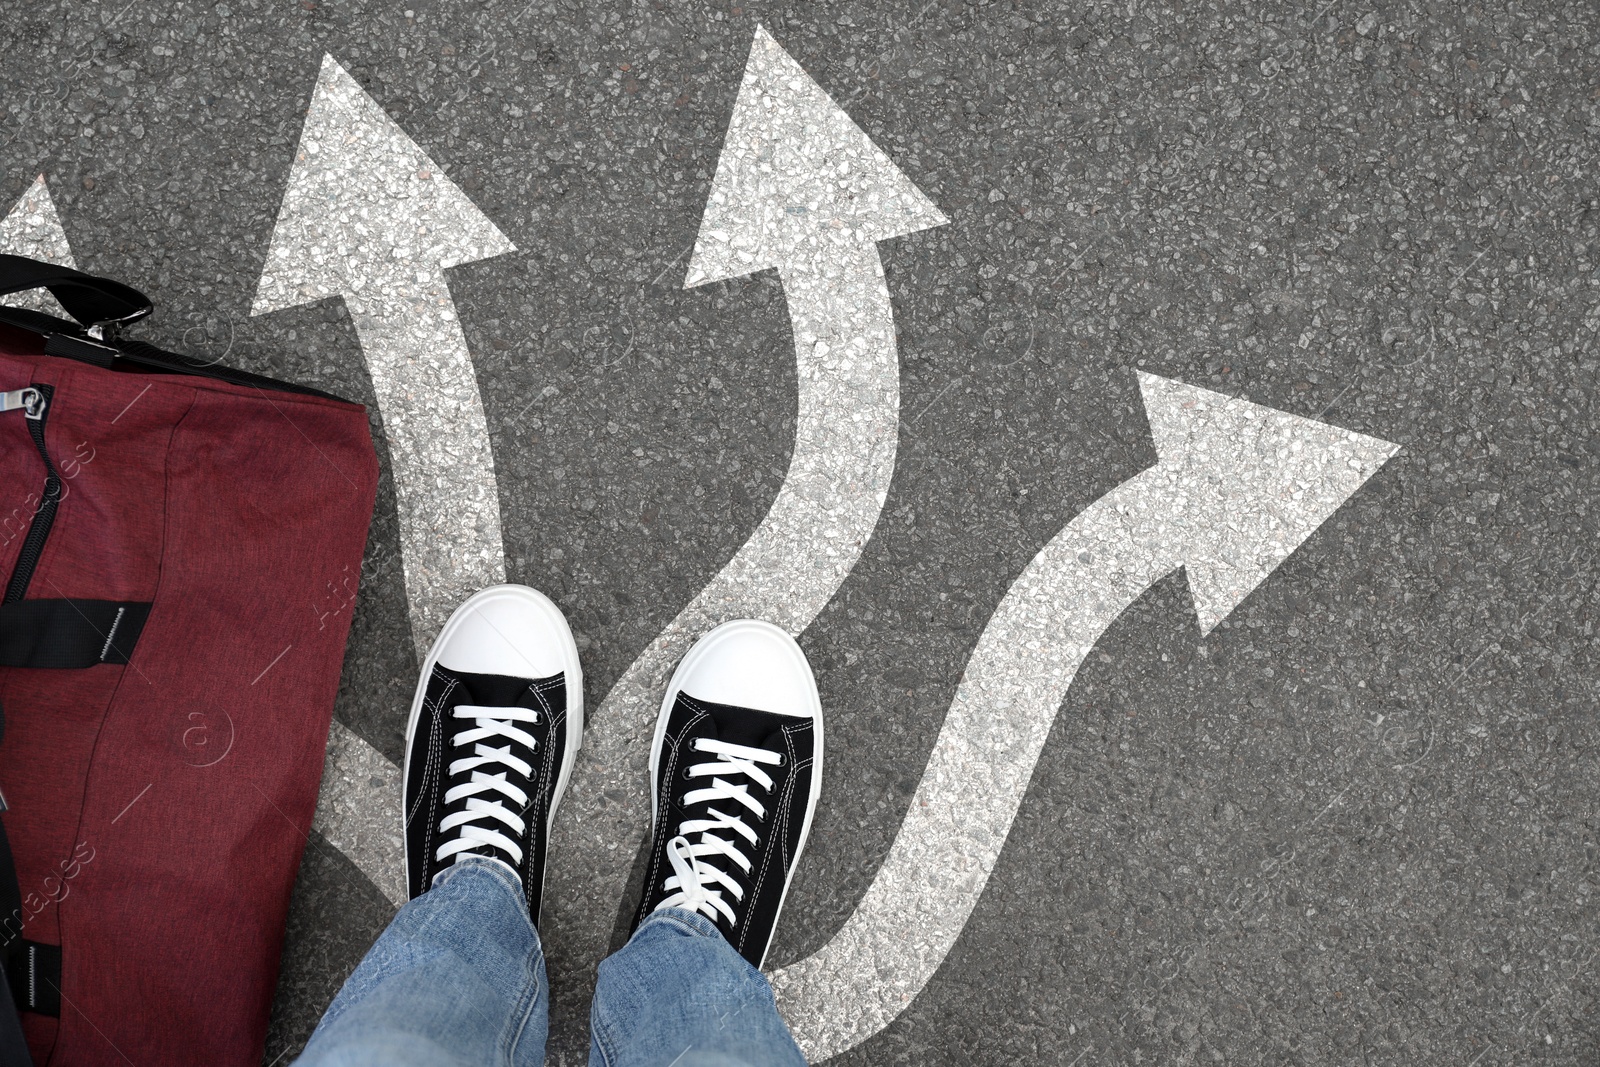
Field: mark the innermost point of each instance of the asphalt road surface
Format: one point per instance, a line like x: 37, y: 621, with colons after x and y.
x: 1355, y: 821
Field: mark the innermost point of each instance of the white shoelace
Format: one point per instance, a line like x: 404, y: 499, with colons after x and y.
x: 488, y: 724
x: 700, y: 884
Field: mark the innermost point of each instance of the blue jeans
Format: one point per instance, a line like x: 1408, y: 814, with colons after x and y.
x: 458, y: 979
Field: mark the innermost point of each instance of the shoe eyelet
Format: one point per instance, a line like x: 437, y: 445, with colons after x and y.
x: 686, y: 775
x: 781, y: 760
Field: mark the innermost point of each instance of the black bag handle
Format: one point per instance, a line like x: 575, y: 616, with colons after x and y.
x: 92, y: 300
x: 101, y: 307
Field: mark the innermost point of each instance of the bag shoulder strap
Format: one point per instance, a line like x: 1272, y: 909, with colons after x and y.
x: 100, y: 302
x: 93, y: 301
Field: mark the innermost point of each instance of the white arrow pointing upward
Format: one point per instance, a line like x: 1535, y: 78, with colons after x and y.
x: 368, y: 216
x: 33, y: 229
x: 801, y: 188
x: 1237, y: 487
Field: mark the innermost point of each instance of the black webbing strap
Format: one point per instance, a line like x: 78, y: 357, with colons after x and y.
x: 69, y: 634
x: 13, y: 1046
x: 126, y: 354
x: 34, y: 974
x: 88, y: 299
x: 96, y: 301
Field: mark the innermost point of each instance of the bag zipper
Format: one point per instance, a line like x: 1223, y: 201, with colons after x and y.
x: 34, y: 403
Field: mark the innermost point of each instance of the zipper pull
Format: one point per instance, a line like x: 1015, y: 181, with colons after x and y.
x: 30, y: 400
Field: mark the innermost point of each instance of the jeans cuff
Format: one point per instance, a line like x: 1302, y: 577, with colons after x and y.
x: 692, y: 921
x: 498, y: 871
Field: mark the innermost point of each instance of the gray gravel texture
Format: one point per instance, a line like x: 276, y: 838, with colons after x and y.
x: 1357, y: 823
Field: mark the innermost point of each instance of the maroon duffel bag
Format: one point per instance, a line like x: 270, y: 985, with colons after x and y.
x: 179, y: 547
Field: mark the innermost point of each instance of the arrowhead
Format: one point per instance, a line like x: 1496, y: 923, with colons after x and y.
x: 364, y: 204
x: 795, y: 174
x: 33, y: 229
x: 1254, y: 483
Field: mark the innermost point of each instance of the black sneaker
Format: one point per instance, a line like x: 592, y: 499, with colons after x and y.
x: 495, y: 727
x: 736, y: 765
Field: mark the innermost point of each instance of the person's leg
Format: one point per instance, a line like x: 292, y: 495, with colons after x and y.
x: 677, y: 993
x: 456, y: 979
x: 736, y: 767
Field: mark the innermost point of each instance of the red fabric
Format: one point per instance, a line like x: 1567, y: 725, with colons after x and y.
x: 158, y: 810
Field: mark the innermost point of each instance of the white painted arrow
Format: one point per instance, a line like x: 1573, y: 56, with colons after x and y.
x: 801, y: 188
x: 1236, y: 488
x: 33, y: 229
x: 368, y: 216
x: 359, y: 810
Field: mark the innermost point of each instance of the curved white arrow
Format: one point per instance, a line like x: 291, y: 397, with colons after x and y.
x: 801, y: 188
x: 1236, y: 488
x: 368, y: 216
